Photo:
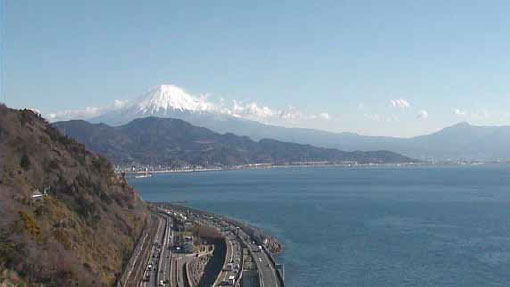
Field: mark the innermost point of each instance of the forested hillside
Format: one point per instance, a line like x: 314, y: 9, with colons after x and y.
x: 174, y: 142
x: 82, y: 229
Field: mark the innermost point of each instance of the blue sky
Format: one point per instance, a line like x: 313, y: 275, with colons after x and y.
x: 398, y: 68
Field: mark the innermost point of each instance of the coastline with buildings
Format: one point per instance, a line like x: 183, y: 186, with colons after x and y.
x: 147, y: 171
x: 143, y: 171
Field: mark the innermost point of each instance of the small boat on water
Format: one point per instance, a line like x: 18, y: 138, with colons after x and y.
x: 143, y: 175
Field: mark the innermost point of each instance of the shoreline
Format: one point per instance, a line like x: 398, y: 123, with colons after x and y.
x: 149, y: 173
x: 253, y: 240
x: 259, y: 235
x: 262, y: 166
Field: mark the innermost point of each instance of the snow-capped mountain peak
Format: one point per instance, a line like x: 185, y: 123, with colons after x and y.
x: 165, y: 98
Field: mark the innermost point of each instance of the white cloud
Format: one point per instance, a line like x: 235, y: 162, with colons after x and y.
x: 119, y: 104
x: 459, y: 113
x: 400, y: 103
x: 179, y: 99
x: 86, y: 113
x: 290, y: 113
x: 480, y: 114
x: 254, y: 111
x: 324, y: 116
x: 423, y: 114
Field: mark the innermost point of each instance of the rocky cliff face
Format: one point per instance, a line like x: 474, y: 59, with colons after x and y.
x: 66, y: 218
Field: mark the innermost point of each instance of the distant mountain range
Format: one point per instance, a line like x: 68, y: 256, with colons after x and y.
x: 174, y: 142
x: 459, y: 142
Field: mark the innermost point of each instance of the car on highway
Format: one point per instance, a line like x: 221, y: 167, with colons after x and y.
x: 147, y: 277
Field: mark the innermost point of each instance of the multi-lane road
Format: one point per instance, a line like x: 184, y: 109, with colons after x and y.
x: 156, y: 270
x: 166, y: 253
x: 234, y: 237
x: 150, y: 277
x: 231, y: 265
x: 154, y: 264
x: 267, y: 272
x: 136, y: 268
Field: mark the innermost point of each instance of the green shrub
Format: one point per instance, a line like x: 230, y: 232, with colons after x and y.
x: 53, y: 164
x: 30, y: 225
x: 24, y: 162
x: 86, y: 208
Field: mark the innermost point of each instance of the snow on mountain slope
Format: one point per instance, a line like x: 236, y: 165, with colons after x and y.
x: 167, y: 98
x: 169, y: 101
x: 165, y: 101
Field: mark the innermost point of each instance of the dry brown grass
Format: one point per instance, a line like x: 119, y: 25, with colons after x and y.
x: 83, y: 231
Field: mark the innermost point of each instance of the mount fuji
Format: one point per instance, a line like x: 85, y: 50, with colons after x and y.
x: 164, y: 101
x: 169, y: 101
x: 458, y: 142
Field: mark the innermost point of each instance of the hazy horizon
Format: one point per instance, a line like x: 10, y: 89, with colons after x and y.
x: 254, y: 143
x: 396, y: 68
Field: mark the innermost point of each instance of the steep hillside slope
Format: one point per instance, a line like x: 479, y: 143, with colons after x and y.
x: 81, y: 232
x: 173, y: 142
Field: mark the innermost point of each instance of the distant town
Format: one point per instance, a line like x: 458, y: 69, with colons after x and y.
x: 141, y: 170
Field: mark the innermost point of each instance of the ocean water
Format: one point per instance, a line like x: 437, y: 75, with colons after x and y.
x: 413, y: 226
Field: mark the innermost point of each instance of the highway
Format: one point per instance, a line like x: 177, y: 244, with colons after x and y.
x: 234, y: 237
x: 135, y: 268
x: 182, y: 278
x: 173, y: 271
x: 179, y: 277
x: 267, y: 272
x: 155, y: 264
x: 166, y: 253
x: 151, y: 266
x: 158, y: 267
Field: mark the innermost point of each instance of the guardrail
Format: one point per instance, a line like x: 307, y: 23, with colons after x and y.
x: 123, y: 279
x: 163, y: 246
x: 235, y: 223
x: 147, y: 255
x: 273, y: 262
